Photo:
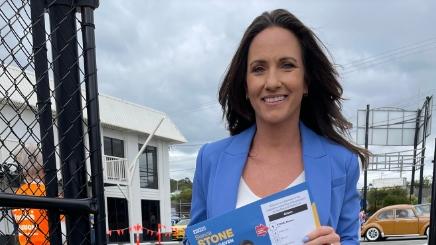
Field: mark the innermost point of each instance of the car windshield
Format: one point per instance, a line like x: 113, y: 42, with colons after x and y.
x: 183, y: 222
x: 423, y: 209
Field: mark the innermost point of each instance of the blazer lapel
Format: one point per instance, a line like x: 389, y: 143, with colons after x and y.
x: 317, y: 171
x: 229, y: 172
x: 231, y: 164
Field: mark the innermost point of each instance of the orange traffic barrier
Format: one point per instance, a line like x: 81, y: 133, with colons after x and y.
x: 32, y: 223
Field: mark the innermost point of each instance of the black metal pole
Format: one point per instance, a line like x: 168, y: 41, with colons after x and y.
x: 365, y: 180
x: 375, y: 199
x: 45, y: 119
x: 424, y: 137
x: 432, y: 238
x: 94, y: 123
x: 65, y: 205
x: 69, y: 114
x: 415, y: 146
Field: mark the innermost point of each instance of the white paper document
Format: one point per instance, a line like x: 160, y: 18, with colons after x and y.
x: 289, y: 218
x: 283, y: 218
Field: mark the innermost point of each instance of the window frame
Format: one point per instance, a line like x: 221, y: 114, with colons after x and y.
x: 121, y: 210
x: 111, y: 147
x: 389, y: 210
x: 154, y: 166
x: 409, y: 211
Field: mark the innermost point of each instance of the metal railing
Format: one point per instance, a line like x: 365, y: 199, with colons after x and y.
x: 115, y: 170
x: 400, y: 161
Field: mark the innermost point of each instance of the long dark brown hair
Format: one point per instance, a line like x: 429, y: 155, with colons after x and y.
x: 320, y: 109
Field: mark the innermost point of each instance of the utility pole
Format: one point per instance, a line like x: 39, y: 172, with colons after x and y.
x: 180, y: 207
x: 424, y: 136
x: 365, y: 180
x: 415, y: 146
x: 432, y: 231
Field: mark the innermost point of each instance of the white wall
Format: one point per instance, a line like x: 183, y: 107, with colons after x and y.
x: 19, y: 124
x: 162, y: 194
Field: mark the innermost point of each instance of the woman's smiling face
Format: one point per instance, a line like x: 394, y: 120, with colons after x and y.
x: 275, y: 76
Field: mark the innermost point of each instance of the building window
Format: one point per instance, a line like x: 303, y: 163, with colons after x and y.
x: 150, y: 218
x: 118, y: 218
x: 148, y: 167
x: 113, y: 147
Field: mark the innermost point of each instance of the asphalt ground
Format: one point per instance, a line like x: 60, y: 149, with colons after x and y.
x: 388, y: 241
x: 399, y: 241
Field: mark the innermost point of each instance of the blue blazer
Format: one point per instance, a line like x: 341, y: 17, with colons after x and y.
x: 331, y: 173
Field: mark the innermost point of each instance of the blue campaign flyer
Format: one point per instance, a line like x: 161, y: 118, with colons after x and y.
x: 282, y: 218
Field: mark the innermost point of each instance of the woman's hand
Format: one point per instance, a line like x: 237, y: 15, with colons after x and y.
x: 322, y: 235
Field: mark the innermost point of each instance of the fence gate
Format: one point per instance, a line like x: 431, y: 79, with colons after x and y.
x: 51, y: 182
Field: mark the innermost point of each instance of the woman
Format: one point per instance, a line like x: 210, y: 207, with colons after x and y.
x: 282, y: 102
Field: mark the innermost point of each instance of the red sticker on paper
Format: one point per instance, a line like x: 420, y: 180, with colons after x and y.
x: 261, y: 230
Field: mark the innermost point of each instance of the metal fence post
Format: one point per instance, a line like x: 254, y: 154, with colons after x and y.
x: 94, y: 123
x: 69, y: 114
x: 45, y: 116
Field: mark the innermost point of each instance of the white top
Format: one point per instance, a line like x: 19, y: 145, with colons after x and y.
x: 246, y: 196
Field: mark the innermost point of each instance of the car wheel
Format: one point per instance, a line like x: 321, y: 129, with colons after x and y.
x: 372, y: 234
x: 427, y: 231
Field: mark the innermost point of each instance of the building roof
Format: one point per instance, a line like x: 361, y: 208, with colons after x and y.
x: 114, y: 112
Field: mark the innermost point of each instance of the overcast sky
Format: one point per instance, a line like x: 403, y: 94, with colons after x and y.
x: 171, y: 56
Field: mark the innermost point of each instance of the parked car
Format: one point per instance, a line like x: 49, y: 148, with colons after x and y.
x: 174, y: 220
x: 423, y: 209
x: 396, y: 220
x: 178, y: 230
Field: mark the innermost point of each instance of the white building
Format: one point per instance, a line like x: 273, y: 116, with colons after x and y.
x: 389, y: 182
x: 124, y: 126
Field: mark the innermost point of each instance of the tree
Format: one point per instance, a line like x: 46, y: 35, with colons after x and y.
x: 426, y: 183
x: 180, y: 184
x: 379, y: 198
x: 182, y: 199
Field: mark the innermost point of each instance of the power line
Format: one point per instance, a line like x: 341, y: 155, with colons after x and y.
x: 375, y: 64
x: 432, y: 39
x: 390, y: 53
x: 382, y: 60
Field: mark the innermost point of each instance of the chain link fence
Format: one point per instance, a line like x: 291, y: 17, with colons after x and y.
x: 51, y: 184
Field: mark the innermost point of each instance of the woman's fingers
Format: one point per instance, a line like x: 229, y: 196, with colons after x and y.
x: 320, y: 231
x: 322, y: 235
